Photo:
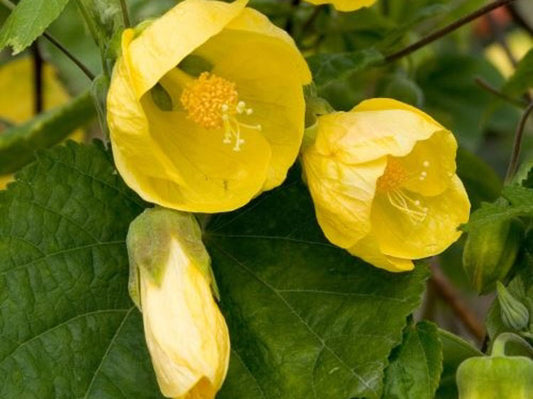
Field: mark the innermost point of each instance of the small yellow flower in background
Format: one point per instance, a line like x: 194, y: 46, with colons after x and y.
x: 170, y: 281
x: 382, y: 178
x: 17, y: 95
x: 345, y: 5
x: 206, y: 106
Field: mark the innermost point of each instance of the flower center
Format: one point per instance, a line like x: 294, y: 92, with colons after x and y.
x: 390, y: 184
x: 213, y: 103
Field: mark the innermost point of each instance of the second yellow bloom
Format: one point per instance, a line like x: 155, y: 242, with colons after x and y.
x: 383, y: 182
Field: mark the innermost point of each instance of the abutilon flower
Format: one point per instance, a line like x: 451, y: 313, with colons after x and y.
x: 206, y: 106
x: 170, y: 282
x: 383, y: 182
x: 344, y: 5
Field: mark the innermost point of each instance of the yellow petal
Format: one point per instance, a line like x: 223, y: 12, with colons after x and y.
x: 173, y: 36
x: 431, y: 164
x: 342, y: 193
x: 185, y: 332
x: 368, y: 250
x: 269, y: 72
x: 377, y: 128
x: 345, y: 5
x: 402, y: 236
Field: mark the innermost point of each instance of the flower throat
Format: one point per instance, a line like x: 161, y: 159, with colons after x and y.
x: 213, y: 102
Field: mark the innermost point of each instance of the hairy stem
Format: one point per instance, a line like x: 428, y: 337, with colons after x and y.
x: 446, y: 30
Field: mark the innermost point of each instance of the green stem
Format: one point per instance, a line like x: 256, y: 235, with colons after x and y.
x: 125, y: 14
x: 517, y: 145
x: 491, y: 89
x: 446, y: 30
x: 498, y: 347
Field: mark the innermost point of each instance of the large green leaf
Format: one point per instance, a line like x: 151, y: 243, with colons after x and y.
x: 67, y: 326
x: 29, y: 20
x: 416, y: 365
x: 307, y: 320
x: 19, y: 143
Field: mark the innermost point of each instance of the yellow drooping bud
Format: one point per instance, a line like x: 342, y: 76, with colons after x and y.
x: 206, y: 106
x: 383, y: 182
x: 345, y: 5
x: 172, y: 284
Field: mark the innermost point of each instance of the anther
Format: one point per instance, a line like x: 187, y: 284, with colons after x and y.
x: 425, y: 164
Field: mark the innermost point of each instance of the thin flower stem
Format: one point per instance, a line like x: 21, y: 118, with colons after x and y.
x: 125, y: 14
x: 517, y: 145
x: 491, y: 89
x: 450, y: 296
x: 37, y: 78
x: 446, y: 30
x: 62, y: 48
x: 9, y: 5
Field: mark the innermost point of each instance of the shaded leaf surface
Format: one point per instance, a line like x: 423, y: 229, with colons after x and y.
x: 27, y: 21
x: 416, y: 365
x: 307, y: 320
x: 67, y: 326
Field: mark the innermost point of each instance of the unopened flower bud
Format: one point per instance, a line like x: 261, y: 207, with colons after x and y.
x: 170, y: 281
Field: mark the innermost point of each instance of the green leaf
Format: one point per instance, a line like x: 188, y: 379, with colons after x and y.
x: 68, y: 327
x: 517, y: 202
x: 19, y: 143
x: 522, y: 79
x: 481, y: 181
x: 455, y: 350
x: 29, y: 20
x: 328, y: 68
x: 416, y: 365
x: 306, y: 319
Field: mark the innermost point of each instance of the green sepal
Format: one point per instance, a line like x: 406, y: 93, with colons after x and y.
x: 149, y: 241
x: 513, y: 312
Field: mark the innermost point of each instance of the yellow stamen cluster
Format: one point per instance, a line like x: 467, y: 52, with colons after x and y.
x: 213, y: 103
x: 206, y: 97
x: 394, y: 177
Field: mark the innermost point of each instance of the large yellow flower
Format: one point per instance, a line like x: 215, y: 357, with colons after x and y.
x: 345, y: 5
x: 383, y: 182
x: 170, y: 281
x: 206, y: 106
x: 16, y: 95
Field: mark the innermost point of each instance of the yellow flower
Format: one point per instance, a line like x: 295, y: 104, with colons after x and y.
x: 383, y: 182
x: 170, y: 279
x: 206, y: 106
x: 16, y: 95
x: 345, y: 5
